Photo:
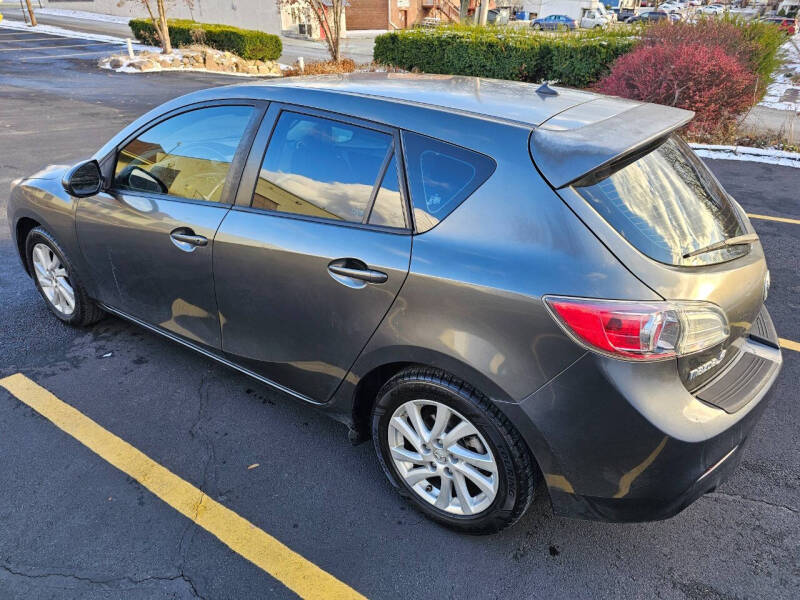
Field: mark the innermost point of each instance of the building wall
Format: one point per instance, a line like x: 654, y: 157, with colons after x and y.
x: 372, y: 14
x: 262, y: 15
x: 405, y: 14
x: 368, y: 14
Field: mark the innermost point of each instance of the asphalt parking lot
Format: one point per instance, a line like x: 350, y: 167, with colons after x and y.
x: 74, y: 526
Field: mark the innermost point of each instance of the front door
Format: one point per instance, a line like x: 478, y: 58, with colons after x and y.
x: 306, y: 270
x: 148, y: 240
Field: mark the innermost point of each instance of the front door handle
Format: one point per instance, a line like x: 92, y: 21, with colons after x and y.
x: 186, y: 239
x: 356, y: 269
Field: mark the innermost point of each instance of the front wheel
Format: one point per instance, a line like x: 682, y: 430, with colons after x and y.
x: 57, y: 281
x: 451, y: 452
x: 537, y: 27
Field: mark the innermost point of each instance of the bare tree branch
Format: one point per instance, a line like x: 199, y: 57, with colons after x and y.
x: 328, y: 16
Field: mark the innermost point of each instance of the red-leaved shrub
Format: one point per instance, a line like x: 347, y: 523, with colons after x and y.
x: 705, y: 79
x: 724, y: 34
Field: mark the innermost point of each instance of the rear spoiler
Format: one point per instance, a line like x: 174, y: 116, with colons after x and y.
x: 569, y: 147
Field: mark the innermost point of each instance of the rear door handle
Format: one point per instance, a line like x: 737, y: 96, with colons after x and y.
x: 185, y: 239
x: 353, y: 269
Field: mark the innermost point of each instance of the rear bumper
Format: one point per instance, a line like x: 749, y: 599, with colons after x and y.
x: 627, y: 442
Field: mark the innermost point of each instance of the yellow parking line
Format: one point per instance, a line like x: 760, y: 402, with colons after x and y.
x: 779, y: 219
x: 295, y: 572
x: 789, y: 344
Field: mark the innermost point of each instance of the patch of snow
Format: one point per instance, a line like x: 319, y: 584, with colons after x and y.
x: 83, y: 14
x: 783, y: 82
x: 68, y: 33
x: 761, y: 155
x: 127, y: 68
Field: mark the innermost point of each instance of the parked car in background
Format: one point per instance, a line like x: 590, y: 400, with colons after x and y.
x: 623, y: 14
x: 594, y: 19
x: 510, y: 289
x: 711, y: 9
x: 787, y: 24
x: 650, y: 16
x: 671, y: 7
x: 553, y: 22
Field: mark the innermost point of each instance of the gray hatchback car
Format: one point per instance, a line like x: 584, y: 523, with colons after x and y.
x: 510, y: 289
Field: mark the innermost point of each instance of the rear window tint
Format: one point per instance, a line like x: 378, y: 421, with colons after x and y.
x: 441, y: 176
x: 667, y: 204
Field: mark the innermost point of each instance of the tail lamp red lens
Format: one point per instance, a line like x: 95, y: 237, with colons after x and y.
x: 641, y: 330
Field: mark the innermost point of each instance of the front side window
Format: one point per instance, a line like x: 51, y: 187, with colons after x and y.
x: 321, y: 168
x: 187, y: 155
x: 667, y: 204
x: 441, y: 176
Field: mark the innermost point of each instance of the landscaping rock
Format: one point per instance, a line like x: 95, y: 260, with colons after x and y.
x: 143, y: 65
x: 116, y: 62
x: 211, y: 63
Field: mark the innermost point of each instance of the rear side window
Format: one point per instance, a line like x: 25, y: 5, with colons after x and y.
x: 667, y: 205
x: 321, y: 168
x: 441, y: 176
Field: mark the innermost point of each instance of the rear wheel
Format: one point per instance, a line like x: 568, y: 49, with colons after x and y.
x: 451, y: 452
x: 537, y: 27
x: 57, y: 281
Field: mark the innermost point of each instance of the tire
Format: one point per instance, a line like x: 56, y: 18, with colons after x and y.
x: 512, y: 477
x: 537, y: 27
x: 83, y: 310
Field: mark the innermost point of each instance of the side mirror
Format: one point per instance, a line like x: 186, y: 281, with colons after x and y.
x: 84, y: 179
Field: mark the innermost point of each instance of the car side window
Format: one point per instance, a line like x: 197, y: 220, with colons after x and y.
x: 187, y: 155
x: 441, y: 176
x: 320, y: 167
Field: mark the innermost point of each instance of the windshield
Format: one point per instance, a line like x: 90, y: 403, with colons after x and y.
x: 667, y: 205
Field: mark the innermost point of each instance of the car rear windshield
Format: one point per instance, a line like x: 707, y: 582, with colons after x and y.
x: 667, y: 205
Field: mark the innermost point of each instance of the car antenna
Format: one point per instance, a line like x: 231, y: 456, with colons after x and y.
x: 546, y: 90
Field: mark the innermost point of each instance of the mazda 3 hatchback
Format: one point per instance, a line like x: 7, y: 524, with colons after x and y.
x: 510, y: 289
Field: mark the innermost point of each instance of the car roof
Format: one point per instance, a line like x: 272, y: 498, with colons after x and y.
x: 509, y: 101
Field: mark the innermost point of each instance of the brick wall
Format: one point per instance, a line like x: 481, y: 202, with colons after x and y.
x: 367, y: 14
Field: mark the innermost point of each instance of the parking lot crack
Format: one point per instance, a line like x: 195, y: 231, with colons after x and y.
x: 736, y: 498
x: 109, y: 582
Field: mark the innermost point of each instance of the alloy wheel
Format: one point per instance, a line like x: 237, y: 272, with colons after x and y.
x: 442, y: 457
x: 53, y: 279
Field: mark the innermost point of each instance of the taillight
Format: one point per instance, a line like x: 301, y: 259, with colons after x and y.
x: 641, y: 330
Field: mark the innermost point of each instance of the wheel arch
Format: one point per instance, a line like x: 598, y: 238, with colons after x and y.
x: 373, y: 371
x: 22, y: 228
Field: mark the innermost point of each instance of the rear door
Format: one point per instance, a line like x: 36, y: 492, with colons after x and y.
x: 312, y: 255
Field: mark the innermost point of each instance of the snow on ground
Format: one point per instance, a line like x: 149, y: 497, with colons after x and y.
x: 762, y: 155
x: 62, y: 32
x: 783, y: 83
x: 82, y: 14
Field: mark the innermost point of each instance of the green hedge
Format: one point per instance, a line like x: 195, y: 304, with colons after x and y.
x: 247, y: 43
x: 574, y: 59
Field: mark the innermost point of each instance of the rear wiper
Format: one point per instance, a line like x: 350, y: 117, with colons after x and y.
x: 748, y: 238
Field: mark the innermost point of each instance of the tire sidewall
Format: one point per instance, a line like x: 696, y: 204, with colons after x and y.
x: 41, y: 236
x: 396, y: 393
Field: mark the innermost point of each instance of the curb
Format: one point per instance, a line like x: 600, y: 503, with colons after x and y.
x: 761, y: 155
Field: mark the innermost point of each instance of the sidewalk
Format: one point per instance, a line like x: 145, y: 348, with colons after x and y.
x: 763, y: 119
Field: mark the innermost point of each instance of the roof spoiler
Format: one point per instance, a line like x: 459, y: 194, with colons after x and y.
x: 567, y: 148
